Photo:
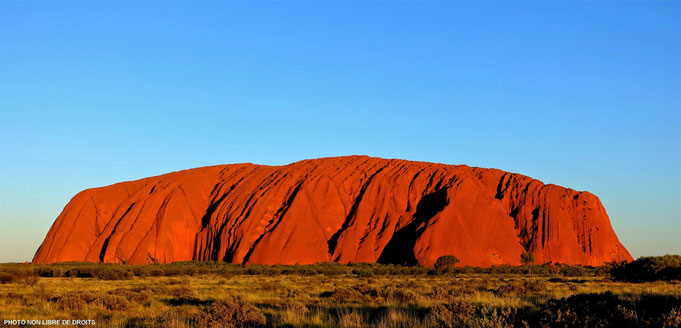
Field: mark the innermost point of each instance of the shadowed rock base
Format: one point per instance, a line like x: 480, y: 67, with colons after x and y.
x: 343, y: 209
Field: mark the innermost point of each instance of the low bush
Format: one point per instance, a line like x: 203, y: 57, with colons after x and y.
x: 233, y: 312
x: 185, y: 292
x: 344, y: 294
x: 573, y: 271
x: 114, y: 302
x: 155, y: 272
x: 297, y: 308
x: 297, y: 293
x: 671, y: 319
x: 71, y: 302
x: 57, y: 272
x: 331, y: 269
x: 464, y: 314
x: 609, y: 310
x: 140, y: 271
x: 400, y: 295
x: 30, y: 281
x: 7, y: 278
x: 53, y: 272
x: 363, y: 272
x: 443, y: 294
x: 452, y: 314
x: 494, y: 317
x: 523, y: 287
x: 138, y: 295
x: 272, y: 286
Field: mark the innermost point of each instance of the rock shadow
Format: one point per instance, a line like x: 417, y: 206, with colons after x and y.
x: 400, y: 248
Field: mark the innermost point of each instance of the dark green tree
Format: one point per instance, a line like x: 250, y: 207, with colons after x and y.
x: 527, y: 258
x: 446, y: 261
x: 648, y: 268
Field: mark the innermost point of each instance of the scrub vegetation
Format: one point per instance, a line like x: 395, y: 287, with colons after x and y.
x: 645, y: 293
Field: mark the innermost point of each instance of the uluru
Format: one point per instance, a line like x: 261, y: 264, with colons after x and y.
x: 342, y: 209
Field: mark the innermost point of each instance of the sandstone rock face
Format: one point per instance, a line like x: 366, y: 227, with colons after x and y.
x: 343, y: 209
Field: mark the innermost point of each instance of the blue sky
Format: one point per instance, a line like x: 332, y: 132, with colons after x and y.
x: 581, y: 94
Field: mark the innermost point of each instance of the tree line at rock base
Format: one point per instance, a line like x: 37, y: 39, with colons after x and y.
x: 666, y: 267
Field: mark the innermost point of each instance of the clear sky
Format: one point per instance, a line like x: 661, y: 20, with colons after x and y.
x: 581, y: 94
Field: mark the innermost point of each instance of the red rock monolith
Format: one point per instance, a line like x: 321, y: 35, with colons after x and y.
x: 343, y: 209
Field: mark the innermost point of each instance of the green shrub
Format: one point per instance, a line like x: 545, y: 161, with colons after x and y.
x: 86, y: 272
x: 156, y: 272
x: 191, y: 271
x: 170, y: 271
x: 140, y: 271
x: 307, y: 271
x: 649, y: 268
x: 573, y: 271
x: 331, y: 269
x: 49, y: 272
x: 111, y: 273
x: 363, y: 272
x: 446, y: 261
